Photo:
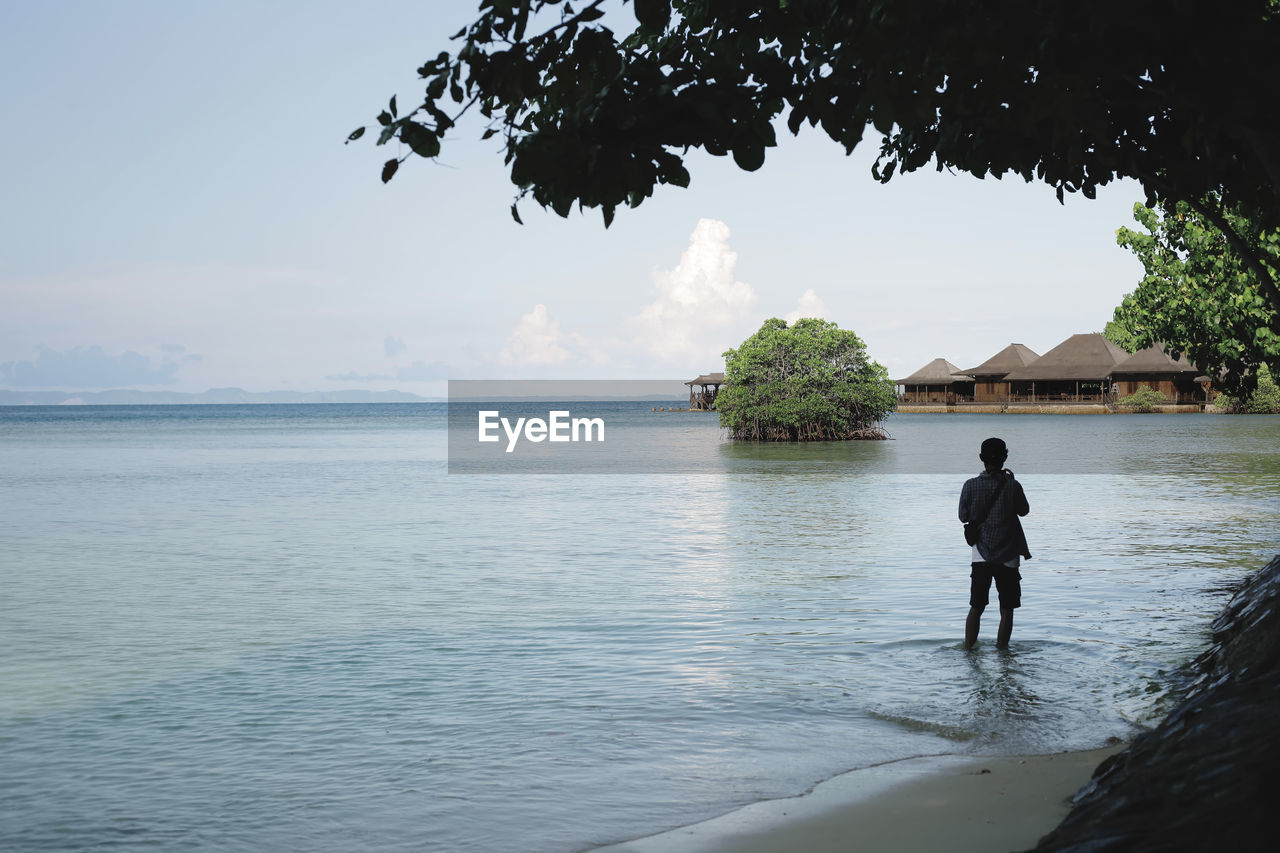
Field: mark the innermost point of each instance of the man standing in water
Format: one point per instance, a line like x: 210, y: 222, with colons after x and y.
x: 994, y: 500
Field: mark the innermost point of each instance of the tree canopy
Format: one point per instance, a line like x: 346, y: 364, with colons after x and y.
x: 811, y: 381
x: 1118, y: 331
x: 1197, y: 296
x: 597, y: 109
x: 1265, y: 399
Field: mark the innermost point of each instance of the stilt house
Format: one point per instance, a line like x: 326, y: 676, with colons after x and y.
x: 703, y: 391
x: 939, y: 381
x: 1078, y: 370
x: 988, y: 378
x: 1154, y: 368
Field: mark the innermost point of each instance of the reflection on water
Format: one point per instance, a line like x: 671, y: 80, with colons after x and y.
x: 1035, y: 697
x: 1003, y: 697
x: 289, y: 627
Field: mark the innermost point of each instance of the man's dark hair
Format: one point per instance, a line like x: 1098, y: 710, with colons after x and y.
x: 994, y: 450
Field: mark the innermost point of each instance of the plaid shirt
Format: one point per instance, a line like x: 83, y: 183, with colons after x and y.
x: 1002, y: 538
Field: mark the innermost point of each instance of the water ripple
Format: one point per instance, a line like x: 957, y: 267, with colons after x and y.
x: 296, y: 631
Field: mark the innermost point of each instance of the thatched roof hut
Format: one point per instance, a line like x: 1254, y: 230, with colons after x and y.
x: 989, y: 385
x: 937, y: 372
x: 1154, y: 361
x: 703, y: 391
x: 1013, y: 357
x: 1086, y: 357
x: 1176, y: 378
x: 939, y: 381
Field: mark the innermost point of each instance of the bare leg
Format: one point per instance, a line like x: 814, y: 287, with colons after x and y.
x: 971, y: 626
x: 1005, y: 629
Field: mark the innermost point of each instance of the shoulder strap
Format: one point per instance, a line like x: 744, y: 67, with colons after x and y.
x: 1004, y: 478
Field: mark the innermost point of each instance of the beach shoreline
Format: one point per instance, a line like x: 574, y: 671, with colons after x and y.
x: 960, y: 803
x: 1195, y: 781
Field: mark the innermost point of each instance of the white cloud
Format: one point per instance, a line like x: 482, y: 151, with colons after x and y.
x: 420, y: 371
x: 808, y: 306
x: 393, y: 346
x: 534, y: 341
x: 697, y: 299
x: 592, y: 352
x: 253, y: 325
x: 93, y: 367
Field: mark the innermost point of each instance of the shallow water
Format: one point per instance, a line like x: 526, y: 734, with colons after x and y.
x: 288, y: 626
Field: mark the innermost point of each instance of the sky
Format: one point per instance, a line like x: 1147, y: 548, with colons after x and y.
x: 178, y: 211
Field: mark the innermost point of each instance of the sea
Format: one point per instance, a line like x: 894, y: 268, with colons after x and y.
x: 296, y: 627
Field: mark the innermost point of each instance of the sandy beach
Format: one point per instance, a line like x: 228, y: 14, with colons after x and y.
x: 956, y: 803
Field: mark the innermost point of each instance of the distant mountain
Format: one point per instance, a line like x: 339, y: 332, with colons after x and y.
x: 568, y: 398
x: 121, y: 397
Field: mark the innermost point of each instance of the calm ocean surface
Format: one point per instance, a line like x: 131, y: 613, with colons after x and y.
x: 287, y: 627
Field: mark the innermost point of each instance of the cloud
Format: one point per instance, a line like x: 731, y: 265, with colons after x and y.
x: 92, y: 367
x: 393, y: 346
x: 534, y: 341
x: 808, y: 306
x: 589, y: 350
x: 696, y: 298
x: 419, y: 371
x: 422, y: 372
x: 173, y: 351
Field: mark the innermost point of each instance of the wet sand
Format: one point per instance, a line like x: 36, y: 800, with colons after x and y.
x: 953, y: 803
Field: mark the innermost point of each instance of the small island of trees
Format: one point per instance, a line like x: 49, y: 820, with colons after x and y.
x: 809, y: 381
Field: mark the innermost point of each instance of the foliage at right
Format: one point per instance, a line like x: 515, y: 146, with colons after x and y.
x: 811, y: 381
x: 1198, y: 297
x: 1265, y: 399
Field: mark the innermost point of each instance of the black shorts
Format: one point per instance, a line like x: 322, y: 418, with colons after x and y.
x: 1008, y: 585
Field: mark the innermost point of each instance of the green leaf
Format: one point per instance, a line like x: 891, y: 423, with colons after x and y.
x: 653, y: 15
x: 384, y: 118
x: 749, y: 156
x: 423, y: 142
x: 392, y: 107
x: 794, y: 121
x: 355, y: 134
x: 389, y: 169
x: 515, y: 214
x: 443, y: 122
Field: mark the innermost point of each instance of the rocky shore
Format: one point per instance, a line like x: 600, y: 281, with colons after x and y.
x: 1206, y: 777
